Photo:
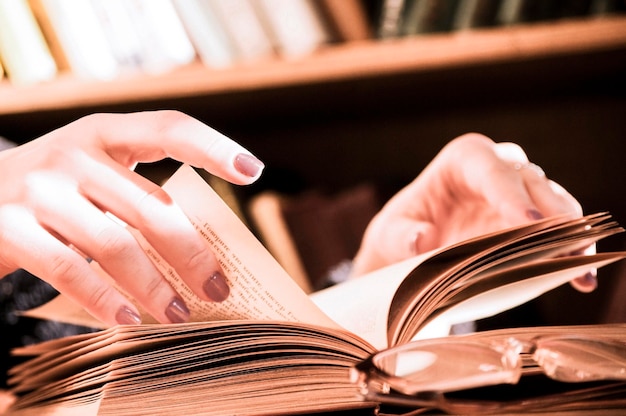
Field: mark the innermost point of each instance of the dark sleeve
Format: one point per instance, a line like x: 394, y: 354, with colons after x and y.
x: 21, y: 291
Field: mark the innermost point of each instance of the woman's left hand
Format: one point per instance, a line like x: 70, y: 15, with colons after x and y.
x: 473, y: 186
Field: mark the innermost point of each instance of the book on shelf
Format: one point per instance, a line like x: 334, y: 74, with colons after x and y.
x: 102, y: 39
x: 391, y: 18
x: 523, y: 11
x: 120, y: 30
x: 75, y: 34
x: 414, y: 17
x: 471, y: 14
x: 246, y: 32
x: 24, y: 52
x: 347, y: 19
x: 428, y: 16
x: 294, y: 27
x: 164, y: 41
x: 208, y: 35
x: 272, y: 349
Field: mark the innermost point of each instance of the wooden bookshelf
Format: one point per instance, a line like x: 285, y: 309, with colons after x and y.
x: 342, y: 62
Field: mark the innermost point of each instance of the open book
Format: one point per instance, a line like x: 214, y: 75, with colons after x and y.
x: 270, y: 348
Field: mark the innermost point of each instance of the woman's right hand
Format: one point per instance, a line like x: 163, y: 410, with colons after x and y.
x: 55, y: 191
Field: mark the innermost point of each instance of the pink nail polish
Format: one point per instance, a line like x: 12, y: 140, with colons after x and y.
x: 248, y: 165
x: 177, y: 311
x: 126, y: 316
x: 533, y: 214
x: 216, y: 287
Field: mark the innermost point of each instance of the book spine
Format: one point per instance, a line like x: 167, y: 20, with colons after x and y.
x: 120, y: 32
x: 474, y: 13
x: 294, y: 26
x: 427, y: 16
x: 509, y: 12
x: 347, y: 19
x: 50, y: 35
x: 206, y: 33
x: 165, y: 44
x: 391, y: 19
x: 23, y: 49
x: 81, y: 38
x: 245, y: 30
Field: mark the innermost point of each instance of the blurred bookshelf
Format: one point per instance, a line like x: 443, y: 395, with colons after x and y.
x: 362, y: 108
x: 346, y: 61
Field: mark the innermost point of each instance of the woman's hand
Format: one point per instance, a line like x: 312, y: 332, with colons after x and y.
x: 474, y: 186
x: 55, y: 191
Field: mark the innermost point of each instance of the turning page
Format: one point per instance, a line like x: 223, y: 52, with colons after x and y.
x: 260, y: 289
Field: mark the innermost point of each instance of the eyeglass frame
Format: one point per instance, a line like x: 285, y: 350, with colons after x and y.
x: 514, y: 351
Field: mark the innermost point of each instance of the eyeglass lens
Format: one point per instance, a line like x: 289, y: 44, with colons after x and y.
x: 443, y: 366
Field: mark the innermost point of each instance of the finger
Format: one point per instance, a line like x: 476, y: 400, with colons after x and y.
x: 589, y: 281
x: 549, y: 197
x: 80, y: 223
x: 149, y: 209
x: 404, y: 237
x: 491, y: 175
x: 552, y: 199
x: 31, y: 247
x: 511, y: 153
x: 586, y: 283
x: 152, y: 136
x: 392, y: 239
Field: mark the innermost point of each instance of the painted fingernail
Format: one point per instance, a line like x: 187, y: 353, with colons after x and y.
x: 248, y: 165
x: 533, y: 214
x: 126, y: 316
x: 590, y: 279
x: 177, y: 311
x: 216, y: 287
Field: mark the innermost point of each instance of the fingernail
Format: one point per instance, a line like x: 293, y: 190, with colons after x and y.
x: 126, y: 316
x: 578, y: 252
x: 533, y: 214
x: 216, y: 287
x: 177, y: 311
x: 248, y: 165
x: 590, y: 279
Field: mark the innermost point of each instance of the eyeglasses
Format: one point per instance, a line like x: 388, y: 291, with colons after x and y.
x: 420, y: 372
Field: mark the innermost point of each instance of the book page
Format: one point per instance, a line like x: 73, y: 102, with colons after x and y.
x: 424, y: 296
x: 361, y: 305
x: 502, y: 298
x: 260, y: 288
x: 516, y: 255
x: 169, y: 368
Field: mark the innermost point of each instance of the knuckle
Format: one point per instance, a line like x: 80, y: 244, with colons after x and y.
x: 63, y: 271
x: 148, y: 203
x: 57, y: 157
x: 169, y: 121
x: 471, y: 140
x: 98, y: 298
x: 154, y: 286
x: 114, y: 243
x: 198, y: 258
